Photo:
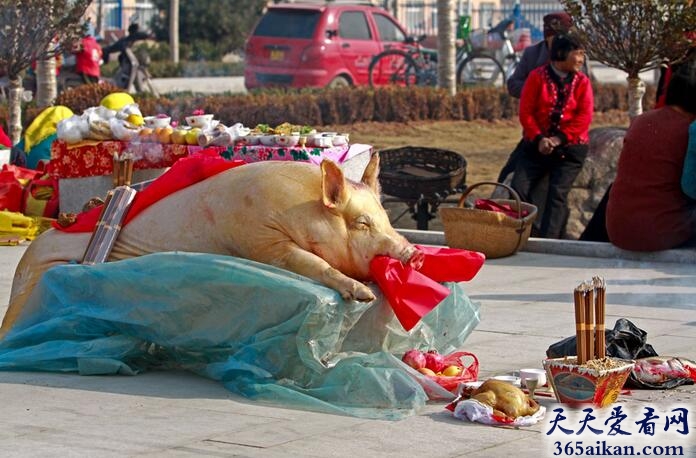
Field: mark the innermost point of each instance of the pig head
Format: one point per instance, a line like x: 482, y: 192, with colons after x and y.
x: 307, y: 219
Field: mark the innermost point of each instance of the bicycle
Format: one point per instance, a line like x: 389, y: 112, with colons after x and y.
x: 485, y: 66
x: 414, y: 66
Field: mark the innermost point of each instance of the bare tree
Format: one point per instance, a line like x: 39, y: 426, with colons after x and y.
x: 174, y: 29
x: 46, y: 81
x: 633, y: 35
x: 27, y: 28
x: 445, y: 45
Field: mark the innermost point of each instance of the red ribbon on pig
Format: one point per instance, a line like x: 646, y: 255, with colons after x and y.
x: 412, y: 293
x: 183, y: 173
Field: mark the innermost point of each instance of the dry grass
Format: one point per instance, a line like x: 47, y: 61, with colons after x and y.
x: 485, y: 145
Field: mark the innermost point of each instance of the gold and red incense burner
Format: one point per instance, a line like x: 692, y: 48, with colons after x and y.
x: 591, y: 377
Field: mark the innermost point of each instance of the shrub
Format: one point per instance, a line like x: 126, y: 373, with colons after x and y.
x: 335, y: 106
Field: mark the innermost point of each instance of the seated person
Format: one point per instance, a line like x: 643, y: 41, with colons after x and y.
x: 555, y: 112
x: 688, y: 180
x: 34, y: 149
x: 647, y: 209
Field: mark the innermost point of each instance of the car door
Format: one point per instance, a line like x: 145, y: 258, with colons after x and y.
x: 356, y: 43
x: 389, y: 33
x: 390, y: 36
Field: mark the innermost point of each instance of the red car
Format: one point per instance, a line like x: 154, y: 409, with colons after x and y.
x: 318, y: 45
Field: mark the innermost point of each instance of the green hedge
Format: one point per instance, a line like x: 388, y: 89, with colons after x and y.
x: 336, y: 106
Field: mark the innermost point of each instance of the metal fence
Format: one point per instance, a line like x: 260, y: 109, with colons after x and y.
x: 116, y: 16
x: 420, y: 16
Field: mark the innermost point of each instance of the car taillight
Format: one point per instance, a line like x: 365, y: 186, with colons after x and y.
x: 312, y: 54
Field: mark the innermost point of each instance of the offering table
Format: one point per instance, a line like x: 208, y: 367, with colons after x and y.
x: 84, y: 169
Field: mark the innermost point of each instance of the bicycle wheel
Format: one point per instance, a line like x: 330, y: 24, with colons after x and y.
x: 393, y: 67
x: 480, y: 70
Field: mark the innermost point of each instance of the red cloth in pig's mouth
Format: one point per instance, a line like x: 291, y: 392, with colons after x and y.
x: 413, y: 293
x: 183, y: 173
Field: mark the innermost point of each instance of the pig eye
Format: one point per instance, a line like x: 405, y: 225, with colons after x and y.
x: 362, y: 222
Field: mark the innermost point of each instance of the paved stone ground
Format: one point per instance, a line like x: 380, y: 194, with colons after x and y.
x: 526, y: 304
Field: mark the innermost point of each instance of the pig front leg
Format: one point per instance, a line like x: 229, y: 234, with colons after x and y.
x: 310, y: 265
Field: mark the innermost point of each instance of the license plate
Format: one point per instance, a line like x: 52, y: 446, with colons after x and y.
x: 277, y: 54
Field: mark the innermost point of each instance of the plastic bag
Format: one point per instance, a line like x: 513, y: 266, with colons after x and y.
x: 41, y: 197
x: 660, y: 372
x: 469, y: 373
x: 263, y: 332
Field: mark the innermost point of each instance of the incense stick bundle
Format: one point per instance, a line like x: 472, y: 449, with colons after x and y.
x: 600, y: 337
x: 95, y: 239
x: 589, y: 322
x: 115, y: 171
x: 109, y: 225
x: 128, y: 169
x: 578, y: 295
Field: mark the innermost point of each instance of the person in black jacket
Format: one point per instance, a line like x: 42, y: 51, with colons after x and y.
x: 127, y: 60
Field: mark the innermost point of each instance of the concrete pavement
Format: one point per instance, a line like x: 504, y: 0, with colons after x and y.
x: 526, y: 305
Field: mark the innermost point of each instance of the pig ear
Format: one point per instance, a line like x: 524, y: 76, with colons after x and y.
x: 333, y: 185
x: 371, y: 174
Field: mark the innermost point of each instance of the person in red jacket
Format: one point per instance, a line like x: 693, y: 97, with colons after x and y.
x: 555, y: 112
x: 4, y: 139
x: 88, y: 60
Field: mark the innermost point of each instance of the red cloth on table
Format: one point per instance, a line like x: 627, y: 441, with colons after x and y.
x: 412, y: 293
x: 183, y: 173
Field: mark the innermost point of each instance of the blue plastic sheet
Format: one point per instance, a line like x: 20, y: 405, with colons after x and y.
x: 263, y: 332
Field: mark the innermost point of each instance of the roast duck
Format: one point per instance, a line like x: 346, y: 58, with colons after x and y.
x: 506, y: 399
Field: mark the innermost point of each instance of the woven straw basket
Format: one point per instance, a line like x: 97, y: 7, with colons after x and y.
x: 493, y: 233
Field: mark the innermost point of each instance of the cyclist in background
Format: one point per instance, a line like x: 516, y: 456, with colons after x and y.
x: 127, y: 61
x: 88, y: 59
x: 537, y: 55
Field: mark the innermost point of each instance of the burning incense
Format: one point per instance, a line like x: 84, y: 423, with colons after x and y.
x: 579, y: 297
x: 115, y: 170
x: 589, y: 322
x: 128, y: 172
x: 600, y: 337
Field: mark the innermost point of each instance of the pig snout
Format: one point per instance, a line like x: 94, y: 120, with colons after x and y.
x: 412, y: 256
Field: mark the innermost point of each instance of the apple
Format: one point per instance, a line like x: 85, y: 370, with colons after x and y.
x: 179, y: 136
x: 451, y: 371
x: 146, y: 134
x: 192, y: 136
x: 164, y: 134
x: 426, y: 371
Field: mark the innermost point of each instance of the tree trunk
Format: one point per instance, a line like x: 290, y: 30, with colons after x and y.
x: 14, y: 105
x: 46, y: 83
x: 445, y: 45
x: 636, y: 90
x: 174, y: 30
